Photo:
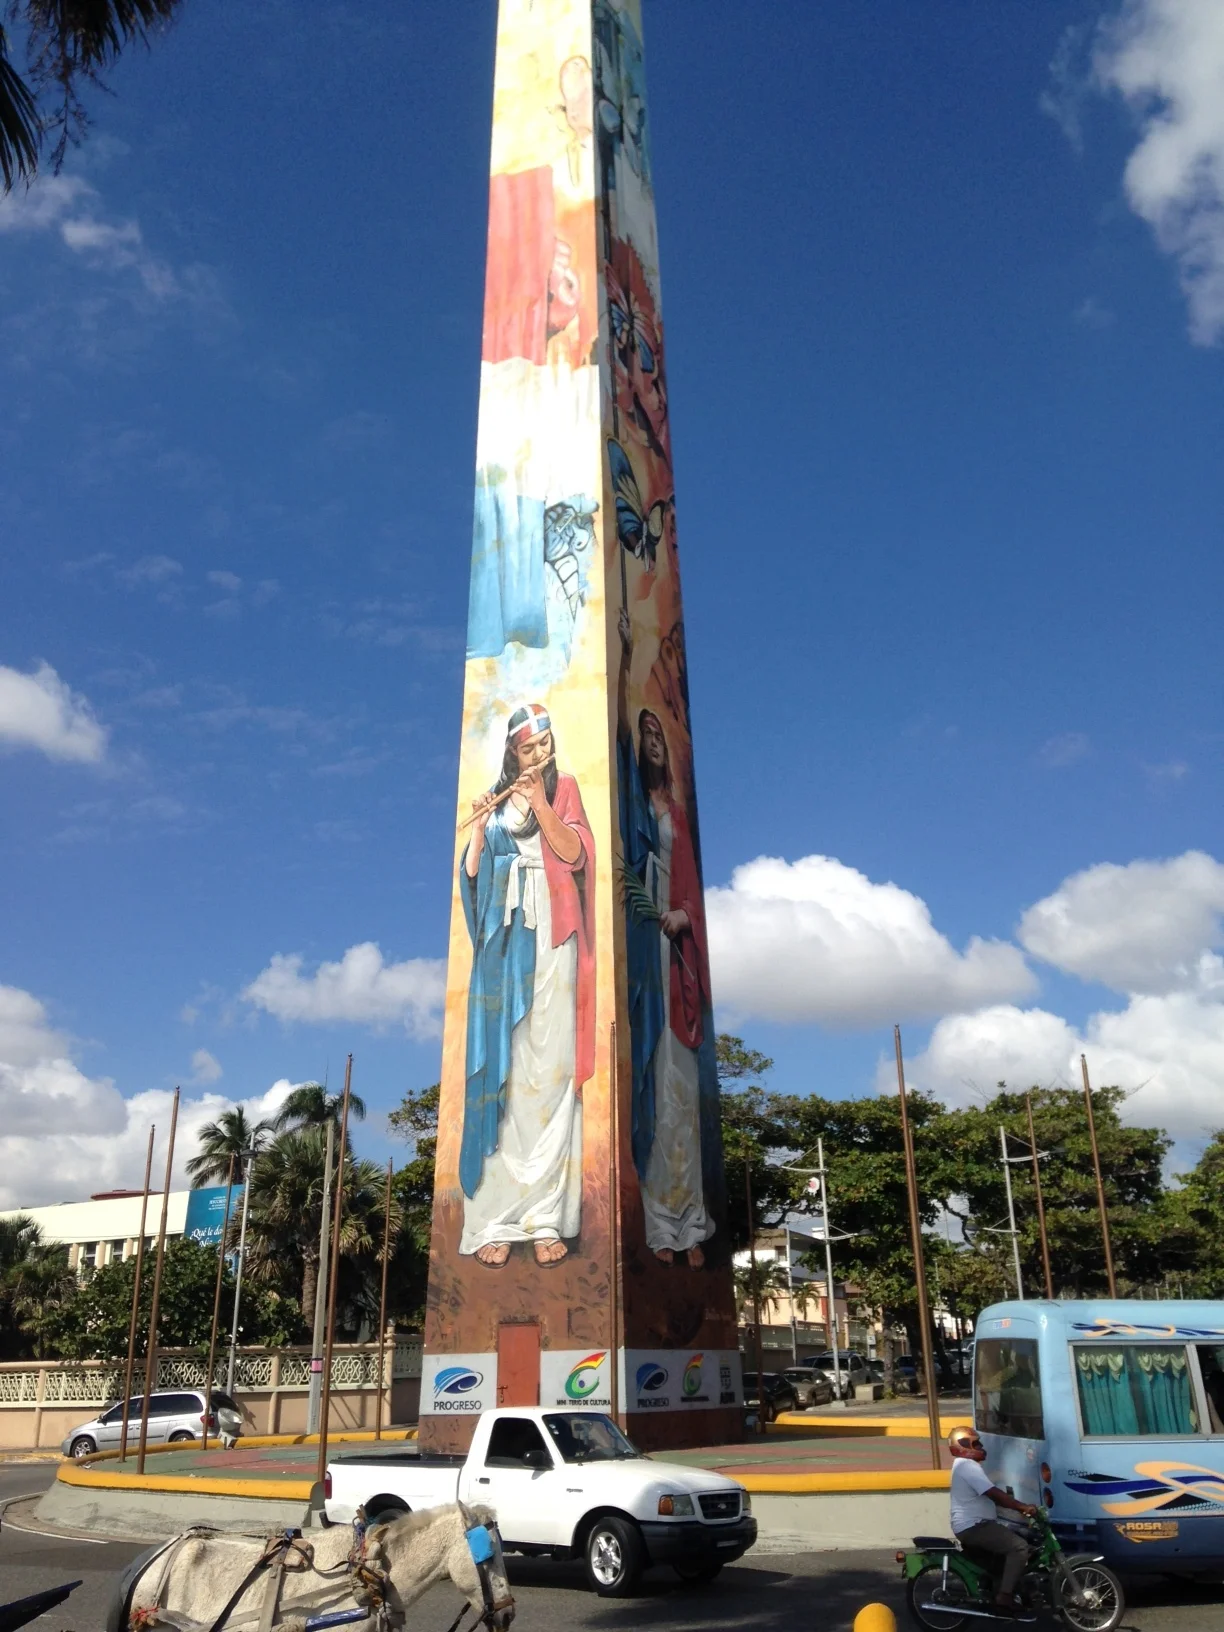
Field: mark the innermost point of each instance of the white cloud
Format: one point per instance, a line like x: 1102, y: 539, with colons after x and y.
x: 1168, y: 1051
x: 205, y: 1067
x: 1066, y: 749
x: 1140, y: 928
x: 815, y: 940
x: 65, y: 1134
x: 1166, y: 57
x: 360, y: 989
x: 39, y: 711
x: 150, y: 569
x: 70, y: 207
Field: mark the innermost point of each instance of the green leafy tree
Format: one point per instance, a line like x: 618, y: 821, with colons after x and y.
x: 753, y: 1141
x: 68, y: 43
x: 1150, y: 1235
x: 232, y: 1134
x: 1198, y: 1205
x: 415, y: 1119
x: 92, y: 1324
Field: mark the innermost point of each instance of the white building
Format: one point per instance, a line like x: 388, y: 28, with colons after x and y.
x: 106, y: 1228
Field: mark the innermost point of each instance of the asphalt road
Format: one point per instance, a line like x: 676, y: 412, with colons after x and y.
x: 809, y: 1592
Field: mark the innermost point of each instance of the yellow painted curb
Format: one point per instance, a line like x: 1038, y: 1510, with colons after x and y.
x: 849, y: 1427
x: 815, y: 1484
x: 74, y: 1473
x: 313, y: 1439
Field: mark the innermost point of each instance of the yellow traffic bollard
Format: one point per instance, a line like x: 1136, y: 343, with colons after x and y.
x: 875, y: 1618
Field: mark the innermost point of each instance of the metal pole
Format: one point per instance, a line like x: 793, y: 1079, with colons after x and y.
x: 131, y: 1354
x: 382, y: 1305
x: 1011, y: 1213
x: 212, y: 1337
x: 1100, y: 1188
x: 756, y: 1294
x: 924, y: 1311
x: 831, y: 1295
x: 790, y: 1292
x: 246, y: 1207
x: 614, y: 1220
x: 325, y: 1409
x: 151, y: 1351
x: 1041, y: 1223
x: 320, y: 1309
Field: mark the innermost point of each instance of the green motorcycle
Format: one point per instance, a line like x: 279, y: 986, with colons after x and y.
x: 945, y: 1586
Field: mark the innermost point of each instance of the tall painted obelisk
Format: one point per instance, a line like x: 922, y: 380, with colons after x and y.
x: 580, y: 1253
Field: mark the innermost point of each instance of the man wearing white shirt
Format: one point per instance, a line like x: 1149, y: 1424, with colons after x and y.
x: 975, y: 1500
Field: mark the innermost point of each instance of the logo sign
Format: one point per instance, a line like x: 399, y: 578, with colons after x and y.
x: 651, y: 1381
x: 458, y: 1382
x: 584, y: 1380
x: 1138, y: 1530
x: 690, y: 1384
x: 576, y: 1378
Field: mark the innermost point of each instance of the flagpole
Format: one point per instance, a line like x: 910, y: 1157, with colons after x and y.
x: 131, y: 1354
x: 151, y: 1351
x: 212, y: 1336
x: 924, y: 1308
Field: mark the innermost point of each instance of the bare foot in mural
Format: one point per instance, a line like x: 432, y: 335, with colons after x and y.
x: 665, y: 1255
x: 550, y: 1252
x: 696, y: 1258
x: 494, y: 1254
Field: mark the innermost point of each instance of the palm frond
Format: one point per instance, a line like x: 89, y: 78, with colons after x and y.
x: 19, y: 123
x: 638, y: 901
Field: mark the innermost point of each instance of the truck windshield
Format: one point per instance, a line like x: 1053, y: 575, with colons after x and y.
x: 588, y: 1436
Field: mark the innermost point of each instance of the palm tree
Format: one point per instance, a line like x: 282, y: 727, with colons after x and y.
x: 311, y: 1106
x: 286, y: 1211
x: 37, y: 1287
x: 769, y: 1283
x: 64, y: 44
x: 230, y: 1135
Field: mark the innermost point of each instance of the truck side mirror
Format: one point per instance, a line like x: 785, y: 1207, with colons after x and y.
x: 535, y: 1456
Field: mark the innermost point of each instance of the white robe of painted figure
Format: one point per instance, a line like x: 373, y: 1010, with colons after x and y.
x: 673, y: 1196
x: 531, y: 1188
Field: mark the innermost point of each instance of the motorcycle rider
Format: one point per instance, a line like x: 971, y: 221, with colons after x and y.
x: 974, y: 1502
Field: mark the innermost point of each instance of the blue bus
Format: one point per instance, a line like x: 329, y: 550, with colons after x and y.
x: 1110, y: 1413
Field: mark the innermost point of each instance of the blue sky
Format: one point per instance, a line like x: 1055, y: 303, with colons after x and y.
x: 944, y: 303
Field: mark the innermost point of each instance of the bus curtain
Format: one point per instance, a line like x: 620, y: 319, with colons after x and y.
x: 1135, y: 1392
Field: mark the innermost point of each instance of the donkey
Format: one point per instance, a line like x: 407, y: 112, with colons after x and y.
x: 189, y: 1585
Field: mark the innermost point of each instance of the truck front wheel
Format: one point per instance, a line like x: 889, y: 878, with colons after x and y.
x: 615, y: 1557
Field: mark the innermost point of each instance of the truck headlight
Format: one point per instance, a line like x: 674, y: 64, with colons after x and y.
x: 679, y: 1507
x: 745, y: 1501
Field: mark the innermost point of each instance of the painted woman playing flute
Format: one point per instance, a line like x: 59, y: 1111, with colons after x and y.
x: 527, y: 877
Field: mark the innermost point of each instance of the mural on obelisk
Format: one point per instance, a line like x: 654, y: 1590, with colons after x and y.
x: 579, y: 1249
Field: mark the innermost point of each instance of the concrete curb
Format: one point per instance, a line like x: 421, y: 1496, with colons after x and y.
x: 80, y: 1476
x: 787, y: 1422
x: 827, y: 1484
x: 140, y: 1514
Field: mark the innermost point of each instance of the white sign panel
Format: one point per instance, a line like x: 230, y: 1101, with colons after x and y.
x: 456, y: 1383
x: 681, y: 1379
x: 576, y: 1377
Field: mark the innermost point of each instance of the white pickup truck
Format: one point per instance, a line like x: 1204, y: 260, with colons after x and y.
x: 564, y: 1484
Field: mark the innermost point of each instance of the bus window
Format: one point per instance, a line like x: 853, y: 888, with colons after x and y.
x: 1007, y: 1386
x: 1135, y: 1391
x: 1211, y: 1364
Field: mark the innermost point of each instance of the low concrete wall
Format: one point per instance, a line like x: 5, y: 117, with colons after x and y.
x: 815, y: 1524
x: 42, y: 1402
x: 788, y: 1524
x: 154, y: 1515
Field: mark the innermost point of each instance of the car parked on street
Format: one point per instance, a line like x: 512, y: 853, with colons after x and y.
x: 780, y: 1395
x: 174, y: 1415
x: 811, y: 1385
x: 851, y: 1370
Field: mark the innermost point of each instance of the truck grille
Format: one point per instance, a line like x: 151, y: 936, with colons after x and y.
x: 720, y: 1505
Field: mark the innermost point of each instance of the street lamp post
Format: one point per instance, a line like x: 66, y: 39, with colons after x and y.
x: 246, y: 1156
x: 818, y: 1178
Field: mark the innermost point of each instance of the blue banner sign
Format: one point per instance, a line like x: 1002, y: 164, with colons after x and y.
x: 206, y: 1214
